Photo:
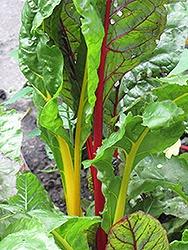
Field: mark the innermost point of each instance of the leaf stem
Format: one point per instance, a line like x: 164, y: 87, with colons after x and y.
x: 61, y: 241
x: 98, y: 111
x: 98, y: 126
x: 122, y: 197
x: 68, y: 178
x: 77, y: 148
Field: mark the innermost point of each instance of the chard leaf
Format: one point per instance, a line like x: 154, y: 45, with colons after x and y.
x: 156, y: 171
x: 25, y: 239
x: 176, y: 207
x: 50, y: 120
x: 138, y: 231
x: 30, y: 195
x: 164, y: 58
x: 71, y: 21
x: 92, y: 30
x: 137, y: 141
x: 183, y: 244
x: 161, y: 114
x: 181, y: 67
x: 131, y: 36
x: 174, y: 92
x: 75, y: 231
x: 63, y: 26
x: 33, y: 41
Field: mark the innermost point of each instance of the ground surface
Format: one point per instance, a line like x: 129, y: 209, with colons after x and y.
x: 10, y: 76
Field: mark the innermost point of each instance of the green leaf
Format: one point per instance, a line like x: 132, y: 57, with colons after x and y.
x: 138, y: 231
x: 152, y: 203
x: 34, y: 53
x: 175, y: 227
x: 181, y: 67
x: 8, y: 215
x: 24, y: 223
x: 135, y: 141
x: 178, y: 94
x: 185, y: 235
x: 156, y: 171
x: 176, y: 207
x: 50, y: 219
x: 134, y: 84
x: 30, y: 195
x: 183, y: 244
x: 71, y: 231
x: 75, y: 231
x: 51, y: 63
x: 164, y: 58
x: 132, y: 36
x: 27, y: 240
x: 161, y: 114
x: 93, y: 32
x: 10, y: 134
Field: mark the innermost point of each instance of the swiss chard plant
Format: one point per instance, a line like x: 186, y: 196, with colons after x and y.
x: 81, y: 58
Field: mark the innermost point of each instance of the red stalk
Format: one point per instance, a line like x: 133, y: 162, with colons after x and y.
x: 98, y: 128
x: 184, y: 147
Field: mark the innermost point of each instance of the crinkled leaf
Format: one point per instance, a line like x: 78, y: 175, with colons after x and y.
x: 71, y: 21
x: 131, y: 36
x: 176, y: 207
x: 164, y: 58
x: 156, y: 171
x: 37, y: 59
x: 27, y: 240
x: 161, y: 114
x: 152, y: 203
x: 63, y: 26
x: 30, y: 193
x: 138, y: 231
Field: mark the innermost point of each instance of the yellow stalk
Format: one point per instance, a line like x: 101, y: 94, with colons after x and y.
x: 121, y: 202
x: 71, y: 200
x: 77, y: 148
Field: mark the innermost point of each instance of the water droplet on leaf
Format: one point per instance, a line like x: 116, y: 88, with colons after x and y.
x: 112, y: 21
